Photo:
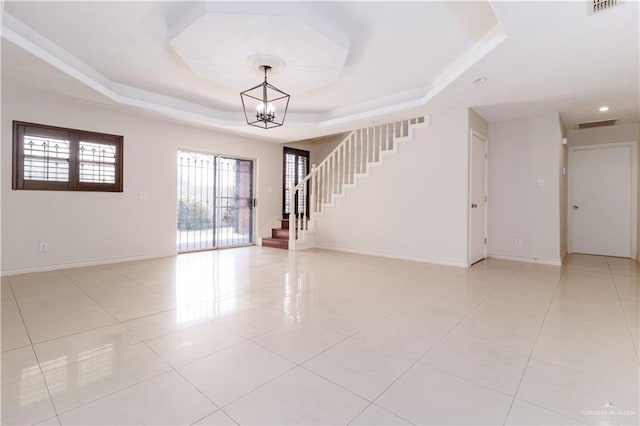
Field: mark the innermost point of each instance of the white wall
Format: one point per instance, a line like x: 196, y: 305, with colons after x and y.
x: 415, y: 205
x: 564, y: 198
x: 564, y: 191
x: 91, y: 227
x: 521, y: 152
x: 478, y: 124
x: 611, y: 134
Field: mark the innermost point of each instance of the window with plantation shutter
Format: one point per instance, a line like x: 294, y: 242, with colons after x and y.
x: 97, y: 162
x: 55, y: 158
x: 295, y: 168
x: 46, y: 159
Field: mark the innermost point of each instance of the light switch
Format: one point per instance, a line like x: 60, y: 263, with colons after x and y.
x: 269, y: 189
x: 540, y: 182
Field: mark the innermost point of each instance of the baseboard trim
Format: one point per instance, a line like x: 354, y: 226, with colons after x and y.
x: 437, y: 261
x: 552, y: 262
x: 91, y: 262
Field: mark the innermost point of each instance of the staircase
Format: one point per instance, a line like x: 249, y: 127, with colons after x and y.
x: 341, y: 169
x: 279, y: 236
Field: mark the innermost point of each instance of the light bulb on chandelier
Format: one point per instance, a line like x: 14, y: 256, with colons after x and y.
x: 270, y: 115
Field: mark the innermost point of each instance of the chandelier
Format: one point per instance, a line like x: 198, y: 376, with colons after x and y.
x: 265, y: 105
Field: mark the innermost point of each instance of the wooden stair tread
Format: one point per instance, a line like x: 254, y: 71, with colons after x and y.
x: 280, y: 243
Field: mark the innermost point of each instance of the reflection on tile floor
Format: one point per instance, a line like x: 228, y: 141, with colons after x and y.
x: 263, y: 336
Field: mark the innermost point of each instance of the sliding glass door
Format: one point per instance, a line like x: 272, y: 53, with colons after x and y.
x: 234, y: 202
x: 215, y: 201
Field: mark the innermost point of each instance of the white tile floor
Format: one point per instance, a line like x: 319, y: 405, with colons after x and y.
x: 264, y: 336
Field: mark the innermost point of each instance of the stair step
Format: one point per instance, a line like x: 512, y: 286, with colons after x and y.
x: 280, y: 233
x: 285, y: 223
x: 275, y: 243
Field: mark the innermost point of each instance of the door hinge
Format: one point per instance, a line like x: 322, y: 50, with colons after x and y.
x: 485, y: 198
x: 485, y: 241
x: 255, y: 202
x: 485, y: 156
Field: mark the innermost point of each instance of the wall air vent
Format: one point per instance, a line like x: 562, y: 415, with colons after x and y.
x: 599, y: 123
x: 601, y: 5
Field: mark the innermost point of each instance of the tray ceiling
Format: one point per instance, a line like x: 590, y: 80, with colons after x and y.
x: 342, y: 60
x: 345, y: 63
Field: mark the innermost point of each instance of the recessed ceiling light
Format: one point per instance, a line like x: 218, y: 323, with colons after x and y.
x: 480, y: 80
x: 603, y: 108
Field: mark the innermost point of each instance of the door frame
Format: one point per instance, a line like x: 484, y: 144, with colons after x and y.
x: 634, y: 190
x: 300, y: 152
x: 473, y: 133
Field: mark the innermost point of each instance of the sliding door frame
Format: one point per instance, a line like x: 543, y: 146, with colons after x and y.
x: 252, y: 200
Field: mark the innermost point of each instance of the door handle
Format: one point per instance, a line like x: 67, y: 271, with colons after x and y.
x: 575, y: 207
x: 474, y: 205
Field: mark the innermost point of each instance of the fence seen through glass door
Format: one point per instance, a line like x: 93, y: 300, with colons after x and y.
x: 215, y: 201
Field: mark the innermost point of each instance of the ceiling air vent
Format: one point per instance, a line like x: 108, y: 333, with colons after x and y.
x: 600, y: 123
x: 601, y: 5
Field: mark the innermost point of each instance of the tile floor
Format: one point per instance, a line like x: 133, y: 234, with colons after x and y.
x: 264, y: 336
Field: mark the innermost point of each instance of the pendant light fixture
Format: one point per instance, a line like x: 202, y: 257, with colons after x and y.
x: 265, y: 105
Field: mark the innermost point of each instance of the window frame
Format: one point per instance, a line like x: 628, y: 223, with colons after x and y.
x: 74, y: 136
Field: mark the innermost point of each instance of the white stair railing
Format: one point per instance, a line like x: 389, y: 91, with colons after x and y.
x: 340, y: 169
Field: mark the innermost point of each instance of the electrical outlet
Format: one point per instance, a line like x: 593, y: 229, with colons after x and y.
x: 44, y: 246
x: 143, y: 195
x: 518, y: 242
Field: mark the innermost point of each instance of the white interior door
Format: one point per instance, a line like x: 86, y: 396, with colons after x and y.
x: 600, y: 207
x: 478, y: 199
